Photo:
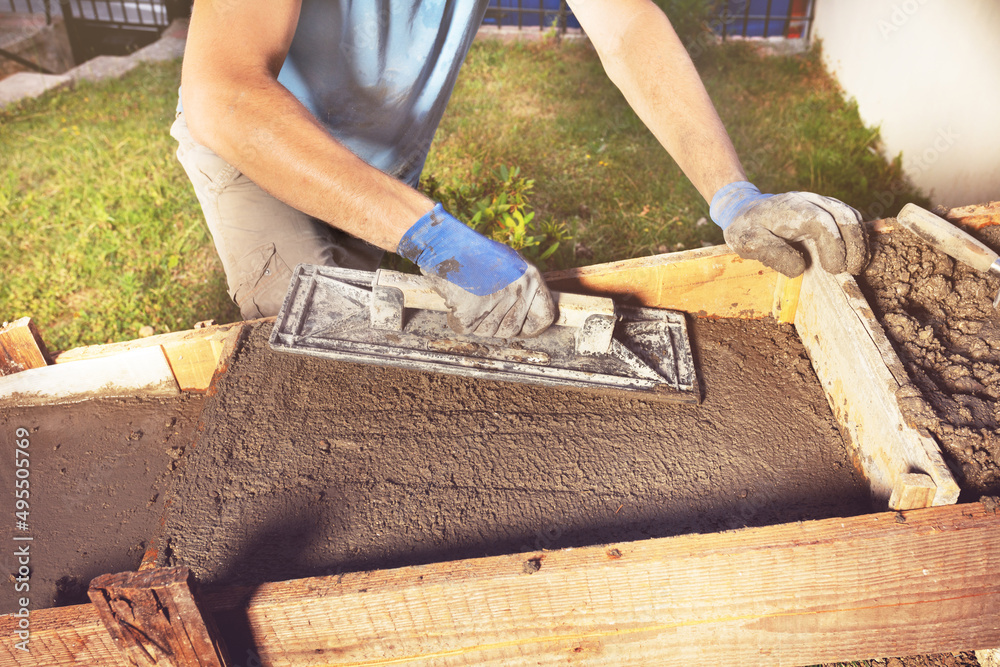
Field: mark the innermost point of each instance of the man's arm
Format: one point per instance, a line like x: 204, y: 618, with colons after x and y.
x: 647, y: 61
x: 644, y: 57
x: 234, y: 104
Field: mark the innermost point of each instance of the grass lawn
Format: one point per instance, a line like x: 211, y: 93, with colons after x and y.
x: 100, y: 232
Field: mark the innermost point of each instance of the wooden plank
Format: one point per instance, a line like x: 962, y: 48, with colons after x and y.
x: 138, y: 372
x: 21, y: 347
x: 60, y: 637
x: 194, y: 362
x: 193, y: 355
x: 864, y: 382
x: 154, y: 620
x: 975, y: 216
x: 708, y: 282
x: 912, y: 491
x: 786, y: 298
x: 795, y: 594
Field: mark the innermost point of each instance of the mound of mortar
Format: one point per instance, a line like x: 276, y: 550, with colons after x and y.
x: 939, y: 315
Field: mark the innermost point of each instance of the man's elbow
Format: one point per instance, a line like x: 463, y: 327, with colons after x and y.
x: 202, y: 107
x: 632, y: 34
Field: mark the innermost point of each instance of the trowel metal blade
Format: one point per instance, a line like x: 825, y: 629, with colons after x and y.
x: 326, y: 314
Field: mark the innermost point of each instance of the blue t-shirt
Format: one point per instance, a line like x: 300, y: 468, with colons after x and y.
x: 378, y: 73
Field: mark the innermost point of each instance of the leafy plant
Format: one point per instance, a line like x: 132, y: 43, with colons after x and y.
x: 496, y: 205
x: 690, y: 18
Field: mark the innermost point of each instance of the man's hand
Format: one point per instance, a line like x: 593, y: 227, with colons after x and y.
x: 489, y: 289
x: 763, y: 227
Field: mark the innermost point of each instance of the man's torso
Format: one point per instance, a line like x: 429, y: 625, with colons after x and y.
x: 378, y: 73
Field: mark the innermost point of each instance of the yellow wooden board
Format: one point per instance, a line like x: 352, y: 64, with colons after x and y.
x: 193, y: 355
x: 709, y: 282
x: 21, y: 347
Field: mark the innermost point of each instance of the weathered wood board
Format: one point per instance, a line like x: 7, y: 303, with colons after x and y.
x: 140, y: 372
x: 864, y: 380
x: 155, y: 621
x: 709, y: 282
x: 21, y: 347
x: 795, y: 594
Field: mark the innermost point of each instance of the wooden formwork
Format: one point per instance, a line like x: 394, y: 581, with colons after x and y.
x: 921, y: 579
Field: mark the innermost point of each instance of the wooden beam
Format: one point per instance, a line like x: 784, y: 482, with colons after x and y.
x: 154, y: 620
x: 708, y: 282
x: 988, y: 657
x: 193, y: 355
x: 142, y: 372
x: 795, y: 594
x: 60, y: 637
x: 21, y: 347
x: 864, y: 381
x: 912, y: 491
x: 975, y: 216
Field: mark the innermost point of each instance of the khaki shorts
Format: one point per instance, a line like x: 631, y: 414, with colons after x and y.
x: 259, y: 238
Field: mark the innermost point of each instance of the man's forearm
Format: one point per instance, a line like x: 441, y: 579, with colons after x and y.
x: 256, y: 125
x: 647, y: 61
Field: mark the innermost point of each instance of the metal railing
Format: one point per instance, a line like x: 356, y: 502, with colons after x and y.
x: 105, y: 27
x: 113, y: 27
x: 118, y: 13
x: 765, y: 18
x: 28, y: 7
x: 543, y: 14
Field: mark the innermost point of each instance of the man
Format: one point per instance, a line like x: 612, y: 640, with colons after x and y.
x: 306, y: 123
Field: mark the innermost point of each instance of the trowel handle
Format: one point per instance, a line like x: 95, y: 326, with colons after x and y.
x: 947, y: 238
x: 574, y: 309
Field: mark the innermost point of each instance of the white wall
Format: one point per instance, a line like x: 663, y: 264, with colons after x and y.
x: 928, y: 73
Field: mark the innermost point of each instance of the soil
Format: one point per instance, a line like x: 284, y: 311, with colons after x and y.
x: 99, y: 471
x: 939, y: 315
x: 309, y: 467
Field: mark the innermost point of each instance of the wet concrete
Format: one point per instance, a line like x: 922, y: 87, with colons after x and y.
x: 97, y: 483
x: 939, y: 315
x: 310, y: 467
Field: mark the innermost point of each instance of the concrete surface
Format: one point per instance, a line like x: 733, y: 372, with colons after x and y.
x: 309, y: 466
x: 31, y: 37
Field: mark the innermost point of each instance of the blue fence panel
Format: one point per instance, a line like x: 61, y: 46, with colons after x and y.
x: 765, y: 18
x: 527, y: 13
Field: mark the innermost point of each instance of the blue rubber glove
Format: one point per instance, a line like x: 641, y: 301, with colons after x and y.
x: 489, y: 288
x: 764, y: 227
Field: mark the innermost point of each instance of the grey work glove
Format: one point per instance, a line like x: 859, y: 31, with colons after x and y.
x: 522, y: 308
x: 763, y: 227
x: 490, y: 290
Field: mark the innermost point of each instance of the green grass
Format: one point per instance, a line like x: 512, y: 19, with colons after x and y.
x: 550, y: 110
x: 100, y: 232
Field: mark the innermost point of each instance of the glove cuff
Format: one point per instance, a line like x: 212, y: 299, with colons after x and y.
x: 732, y: 201
x: 443, y: 246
